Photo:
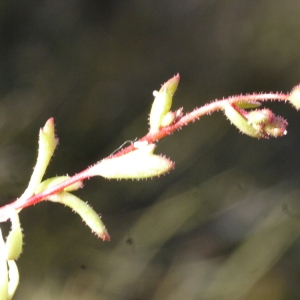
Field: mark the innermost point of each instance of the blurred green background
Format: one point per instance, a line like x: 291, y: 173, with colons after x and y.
x: 216, y: 227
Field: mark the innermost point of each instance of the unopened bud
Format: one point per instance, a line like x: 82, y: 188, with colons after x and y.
x: 277, y: 127
x: 261, y: 116
x: 168, y: 119
x: 295, y: 96
x: 260, y: 123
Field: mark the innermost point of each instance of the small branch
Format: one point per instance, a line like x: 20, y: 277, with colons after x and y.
x: 207, y: 109
x: 21, y: 203
x: 150, y: 138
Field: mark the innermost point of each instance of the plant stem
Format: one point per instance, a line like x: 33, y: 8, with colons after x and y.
x: 150, y: 138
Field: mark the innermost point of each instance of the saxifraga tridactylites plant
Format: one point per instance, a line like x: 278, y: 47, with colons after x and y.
x: 136, y: 161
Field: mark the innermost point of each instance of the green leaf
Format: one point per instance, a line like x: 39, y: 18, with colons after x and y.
x: 138, y: 164
x: 14, y: 244
x: 48, y: 183
x: 241, y: 123
x: 162, y: 103
x: 14, y: 241
x: 47, y: 145
x: 3, y: 270
x: 86, y: 212
x: 13, y: 275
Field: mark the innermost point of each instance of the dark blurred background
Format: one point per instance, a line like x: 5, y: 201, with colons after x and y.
x: 224, y: 224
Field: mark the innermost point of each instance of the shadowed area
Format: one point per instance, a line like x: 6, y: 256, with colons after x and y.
x: 225, y: 223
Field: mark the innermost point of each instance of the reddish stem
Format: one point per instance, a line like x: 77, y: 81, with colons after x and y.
x: 150, y: 138
x: 207, y: 109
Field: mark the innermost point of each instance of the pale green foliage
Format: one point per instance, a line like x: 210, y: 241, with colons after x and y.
x: 138, y: 161
x: 3, y: 270
x: 138, y: 164
x: 240, y: 122
x: 48, y: 183
x: 9, y: 251
x: 162, y: 104
x: 14, y: 241
x: 86, y: 212
x: 13, y: 275
x: 47, y: 145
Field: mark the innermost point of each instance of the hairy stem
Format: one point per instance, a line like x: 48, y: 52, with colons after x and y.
x: 149, y: 138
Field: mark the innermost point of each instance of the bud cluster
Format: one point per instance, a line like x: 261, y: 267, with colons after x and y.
x: 259, y: 123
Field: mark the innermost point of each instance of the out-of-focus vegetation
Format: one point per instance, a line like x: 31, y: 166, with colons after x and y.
x: 214, y: 228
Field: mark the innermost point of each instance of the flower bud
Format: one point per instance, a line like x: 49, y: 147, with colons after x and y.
x: 260, y: 116
x: 294, y: 97
x: 168, y: 119
x: 261, y: 123
x: 276, y: 128
x: 267, y: 122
